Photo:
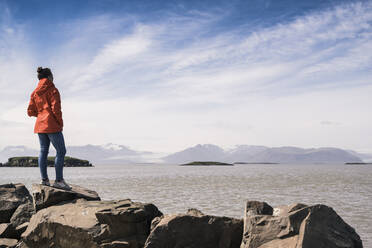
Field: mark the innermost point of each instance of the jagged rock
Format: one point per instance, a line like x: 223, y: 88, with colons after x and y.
x: 256, y: 207
x: 282, y: 210
x: 22, y: 214
x: 8, y: 243
x: 21, y: 228
x: 46, y: 196
x: 21, y: 244
x: 195, y: 230
x: 7, y: 231
x: 299, y: 226
x: 89, y: 224
x: 11, y: 196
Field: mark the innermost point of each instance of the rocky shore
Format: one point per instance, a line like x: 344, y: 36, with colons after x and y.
x: 55, y: 218
x: 33, y: 162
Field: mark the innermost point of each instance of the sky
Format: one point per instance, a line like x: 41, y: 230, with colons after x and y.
x: 166, y: 75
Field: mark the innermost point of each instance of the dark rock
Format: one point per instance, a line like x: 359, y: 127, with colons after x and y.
x: 8, y: 243
x: 21, y: 228
x: 88, y: 224
x: 22, y: 214
x: 7, y: 231
x: 195, y: 230
x: 298, y: 226
x: 45, y: 196
x: 11, y: 196
x: 256, y: 207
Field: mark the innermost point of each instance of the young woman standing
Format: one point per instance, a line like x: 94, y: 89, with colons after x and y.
x: 45, y: 104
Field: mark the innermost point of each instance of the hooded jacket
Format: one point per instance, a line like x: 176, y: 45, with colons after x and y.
x: 45, y: 104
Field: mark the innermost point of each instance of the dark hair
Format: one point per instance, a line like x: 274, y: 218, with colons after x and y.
x: 43, y: 72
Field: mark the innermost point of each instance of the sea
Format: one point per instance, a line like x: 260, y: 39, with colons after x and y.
x: 223, y: 190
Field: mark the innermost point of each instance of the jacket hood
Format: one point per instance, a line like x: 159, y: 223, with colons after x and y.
x: 43, y: 86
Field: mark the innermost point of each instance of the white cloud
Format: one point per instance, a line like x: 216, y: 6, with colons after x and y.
x: 168, y: 85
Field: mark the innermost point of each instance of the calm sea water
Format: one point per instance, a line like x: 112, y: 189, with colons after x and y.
x: 224, y: 190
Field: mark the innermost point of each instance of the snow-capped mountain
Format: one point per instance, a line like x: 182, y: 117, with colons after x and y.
x: 119, y: 154
x: 97, y: 154
x: 245, y: 153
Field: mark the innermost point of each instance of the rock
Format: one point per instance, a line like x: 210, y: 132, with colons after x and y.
x: 8, y: 243
x: 46, y: 196
x: 21, y: 228
x: 195, y: 230
x: 194, y: 212
x: 21, y: 244
x: 88, y: 224
x: 7, y: 231
x: 282, y: 210
x: 256, y: 207
x: 11, y: 196
x: 299, y: 226
x: 22, y: 214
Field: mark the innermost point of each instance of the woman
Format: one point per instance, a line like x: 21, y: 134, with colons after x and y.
x: 45, y: 104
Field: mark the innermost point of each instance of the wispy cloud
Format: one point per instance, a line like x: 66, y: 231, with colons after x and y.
x: 181, y: 78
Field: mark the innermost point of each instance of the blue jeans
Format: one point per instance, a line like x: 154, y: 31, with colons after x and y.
x: 59, y: 144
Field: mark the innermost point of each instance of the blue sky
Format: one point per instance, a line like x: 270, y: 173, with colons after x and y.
x: 165, y: 75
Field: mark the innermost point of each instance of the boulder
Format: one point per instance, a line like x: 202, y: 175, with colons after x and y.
x: 7, y: 231
x: 298, y: 226
x: 11, y: 196
x: 8, y: 243
x: 46, y: 196
x: 22, y: 214
x: 194, y: 230
x: 83, y: 223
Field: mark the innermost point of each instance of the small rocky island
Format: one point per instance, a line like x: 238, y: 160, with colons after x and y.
x: 255, y: 163
x: 359, y: 163
x: 206, y: 163
x: 33, y: 162
x: 78, y: 218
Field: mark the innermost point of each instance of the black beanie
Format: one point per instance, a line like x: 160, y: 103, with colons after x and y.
x: 43, y: 72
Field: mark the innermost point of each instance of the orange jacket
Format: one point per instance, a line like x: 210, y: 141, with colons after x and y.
x: 45, y: 104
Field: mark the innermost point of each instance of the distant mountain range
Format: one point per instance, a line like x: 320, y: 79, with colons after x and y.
x: 250, y: 154
x: 118, y: 154
x: 97, y: 154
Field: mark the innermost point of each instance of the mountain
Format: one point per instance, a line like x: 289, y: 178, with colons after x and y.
x: 199, y: 152
x: 245, y: 153
x: 118, y: 154
x: 96, y: 154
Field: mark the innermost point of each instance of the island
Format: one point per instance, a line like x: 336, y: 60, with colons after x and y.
x: 359, y: 163
x: 28, y: 161
x: 206, y: 163
x: 255, y: 163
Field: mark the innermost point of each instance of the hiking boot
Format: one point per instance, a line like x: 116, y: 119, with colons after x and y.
x: 61, y: 184
x: 45, y: 182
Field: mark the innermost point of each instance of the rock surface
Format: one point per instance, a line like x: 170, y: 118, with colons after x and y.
x: 45, y: 196
x: 11, y: 196
x: 7, y: 231
x: 91, y: 224
x: 298, y: 226
x: 194, y: 230
x: 8, y: 243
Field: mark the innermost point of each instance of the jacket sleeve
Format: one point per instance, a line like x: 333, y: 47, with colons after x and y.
x: 55, y: 102
x: 32, y: 110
